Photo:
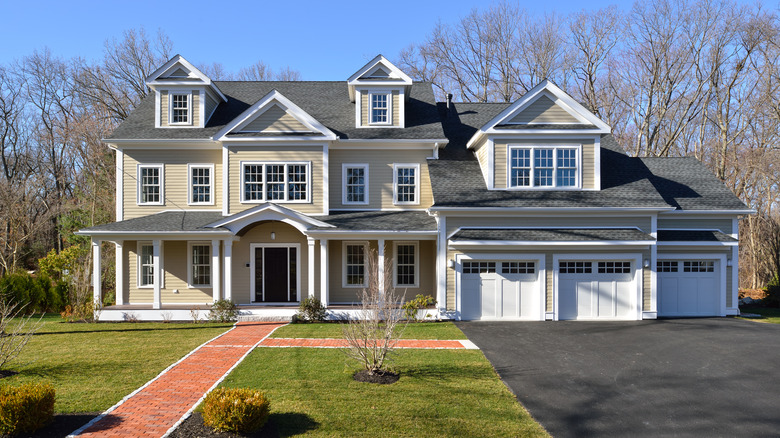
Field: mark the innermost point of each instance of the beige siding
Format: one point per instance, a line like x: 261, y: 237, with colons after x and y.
x: 275, y: 119
x: 572, y: 221
x: 176, y: 180
x: 544, y: 110
x: 396, y: 109
x: 365, y: 108
x: 451, y: 273
x: 211, y: 105
x: 312, y: 154
x: 724, y: 225
x: 164, y: 108
x: 482, y: 153
x: 242, y: 254
x: 647, y: 282
x: 380, y: 174
x: 174, y: 267
x: 194, y: 110
x: 548, y: 263
x: 588, y: 164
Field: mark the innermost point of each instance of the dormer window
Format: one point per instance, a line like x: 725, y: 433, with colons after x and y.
x: 180, y: 105
x: 380, y: 108
x: 543, y: 167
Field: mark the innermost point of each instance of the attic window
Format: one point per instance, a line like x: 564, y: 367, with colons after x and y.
x: 379, y: 108
x: 180, y: 104
x: 543, y: 167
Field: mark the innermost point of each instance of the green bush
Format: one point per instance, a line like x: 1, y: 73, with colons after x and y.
x: 223, y: 311
x: 772, y: 298
x: 239, y: 410
x: 419, y: 302
x: 311, y: 310
x: 25, y: 408
x: 37, y: 294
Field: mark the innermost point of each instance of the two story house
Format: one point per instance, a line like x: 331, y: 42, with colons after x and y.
x: 266, y: 193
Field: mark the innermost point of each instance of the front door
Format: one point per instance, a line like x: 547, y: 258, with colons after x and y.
x: 275, y: 274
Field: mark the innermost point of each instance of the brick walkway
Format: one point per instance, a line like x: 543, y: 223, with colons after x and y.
x: 158, y: 406
x: 339, y: 343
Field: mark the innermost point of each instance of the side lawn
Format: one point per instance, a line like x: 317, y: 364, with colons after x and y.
x: 92, y: 366
x: 771, y: 315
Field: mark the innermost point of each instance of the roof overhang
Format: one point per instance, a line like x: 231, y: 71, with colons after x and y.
x: 153, y: 80
x: 396, y: 77
x: 268, y: 212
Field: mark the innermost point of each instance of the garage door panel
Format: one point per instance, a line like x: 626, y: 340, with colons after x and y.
x: 470, y: 298
x: 689, y: 288
x: 606, y: 298
x: 567, y: 299
x: 594, y: 289
x: 488, y: 299
x: 529, y: 301
x: 510, y: 290
x: 585, y: 298
x: 667, y: 299
x: 496, y: 289
x: 624, y: 307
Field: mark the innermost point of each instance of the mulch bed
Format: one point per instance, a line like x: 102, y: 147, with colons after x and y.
x: 193, y: 427
x: 756, y: 294
x: 382, y: 378
x: 62, y: 425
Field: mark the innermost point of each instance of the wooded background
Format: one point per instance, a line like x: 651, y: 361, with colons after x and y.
x: 672, y: 78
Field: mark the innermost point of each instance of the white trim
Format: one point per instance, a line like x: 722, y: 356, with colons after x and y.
x: 159, y: 166
x: 264, y: 183
x: 157, y: 109
x: 152, y: 78
x: 227, y: 265
x: 268, y: 211
x: 344, y: 167
x: 202, y: 108
x: 491, y: 145
x: 495, y: 243
x: 696, y: 243
x: 711, y: 212
x: 159, y: 276
x: 402, y: 109
x: 636, y: 260
x: 597, y: 163
x: 212, y: 176
x: 341, y: 144
x: 252, y: 270
x: 97, y: 295
x: 389, y: 235
x: 324, y: 274
x: 366, y: 253
x: 119, y: 291
x: 207, y: 244
x: 190, y: 111
x: 389, y: 100
x: 555, y: 148
x: 325, y: 179
x: 478, y: 211
x: 441, y: 262
x: 457, y: 230
x: 417, y: 182
x: 416, y: 246
x: 225, y: 181
x: 721, y: 267
x: 652, y: 313
x: 311, y: 267
x: 120, y: 185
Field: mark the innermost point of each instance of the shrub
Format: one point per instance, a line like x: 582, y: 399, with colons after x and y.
x: 223, y: 311
x: 36, y: 294
x: 310, y: 310
x: 772, y: 298
x: 419, y: 302
x: 239, y: 410
x: 25, y: 408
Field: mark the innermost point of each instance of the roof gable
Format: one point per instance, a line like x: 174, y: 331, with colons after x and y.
x: 179, y: 71
x: 378, y: 71
x: 268, y: 211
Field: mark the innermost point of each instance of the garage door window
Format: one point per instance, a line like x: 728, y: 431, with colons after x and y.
x: 479, y: 267
x: 614, y: 267
x: 518, y: 268
x: 575, y: 267
x: 666, y: 266
x: 699, y: 266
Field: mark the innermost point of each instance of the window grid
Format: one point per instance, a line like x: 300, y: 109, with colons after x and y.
x: 200, y: 178
x: 406, y: 185
x: 567, y: 168
x: 379, y: 108
x: 479, y: 267
x: 575, y: 267
x: 147, y: 265
x: 180, y: 108
x: 550, y: 167
x: 518, y: 268
x: 666, y: 266
x: 405, y: 262
x: 614, y: 267
x: 521, y: 168
x: 201, y: 265
x: 355, y: 265
x: 355, y: 185
x: 699, y: 266
x: 275, y: 182
x: 150, y: 185
x: 543, y: 167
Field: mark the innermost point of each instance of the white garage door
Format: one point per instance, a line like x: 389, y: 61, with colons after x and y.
x: 596, y: 290
x: 499, y: 289
x: 688, y: 288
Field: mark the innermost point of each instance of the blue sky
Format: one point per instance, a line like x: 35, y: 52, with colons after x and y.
x: 324, y: 40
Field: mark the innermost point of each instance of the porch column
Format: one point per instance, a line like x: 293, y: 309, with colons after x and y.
x: 380, y: 262
x: 311, y: 267
x: 228, y: 266
x: 215, y: 267
x: 96, y: 292
x: 120, y: 274
x: 324, y: 272
x: 157, y: 274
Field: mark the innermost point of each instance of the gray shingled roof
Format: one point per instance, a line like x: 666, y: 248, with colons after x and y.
x: 693, y: 236
x: 381, y: 221
x: 552, y: 235
x: 167, y: 221
x: 327, y: 102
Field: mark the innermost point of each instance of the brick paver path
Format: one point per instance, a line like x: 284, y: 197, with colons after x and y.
x: 339, y: 343
x: 158, y: 406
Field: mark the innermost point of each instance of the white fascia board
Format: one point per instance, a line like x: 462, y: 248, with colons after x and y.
x: 478, y: 211
x: 167, y: 235
x: 404, y: 79
x: 494, y: 243
x: 711, y: 212
x: 367, y: 234
x: 441, y: 141
x: 292, y: 214
x: 696, y: 243
x: 249, y: 141
x: 459, y: 229
x: 178, y: 59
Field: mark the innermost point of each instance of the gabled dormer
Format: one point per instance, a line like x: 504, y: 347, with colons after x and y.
x: 544, y: 141
x: 184, y: 96
x: 380, y: 92
x: 274, y: 117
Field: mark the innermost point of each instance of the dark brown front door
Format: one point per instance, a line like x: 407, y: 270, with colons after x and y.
x: 275, y: 274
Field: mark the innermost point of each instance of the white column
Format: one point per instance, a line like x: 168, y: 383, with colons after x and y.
x: 441, y: 264
x: 380, y: 265
x: 228, y: 266
x: 215, y: 268
x: 96, y: 292
x: 157, y: 274
x: 324, y: 272
x: 310, y: 269
x: 120, y: 274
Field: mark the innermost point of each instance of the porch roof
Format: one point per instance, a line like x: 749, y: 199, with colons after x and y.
x: 415, y: 220
x: 163, y: 222
x: 693, y: 236
x: 553, y: 235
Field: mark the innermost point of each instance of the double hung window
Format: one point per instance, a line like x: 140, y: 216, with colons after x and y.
x: 355, y: 264
x: 287, y: 182
x: 200, y: 265
x: 379, y: 108
x: 543, y: 167
x: 179, y: 113
x: 355, y: 178
x: 407, y: 184
x: 145, y: 265
x: 406, y: 266
x: 150, y: 184
x: 201, y: 184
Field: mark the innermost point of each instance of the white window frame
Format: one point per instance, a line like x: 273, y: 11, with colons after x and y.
x: 309, y: 182
x: 416, y: 167
x: 190, y: 284
x: 190, y: 168
x: 138, y: 246
x: 344, y: 168
x: 389, y: 95
x: 170, y: 107
x: 532, y: 148
x: 138, y: 178
x: 366, y: 253
x: 416, y: 264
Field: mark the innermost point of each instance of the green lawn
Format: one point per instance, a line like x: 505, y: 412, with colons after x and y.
x: 769, y: 314
x: 92, y: 366
x: 440, y: 393
x: 421, y: 330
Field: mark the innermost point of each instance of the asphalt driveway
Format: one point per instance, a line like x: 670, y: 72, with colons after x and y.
x: 678, y: 377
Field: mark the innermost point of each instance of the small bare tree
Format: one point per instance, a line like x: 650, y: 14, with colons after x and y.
x: 15, y: 331
x: 372, y: 336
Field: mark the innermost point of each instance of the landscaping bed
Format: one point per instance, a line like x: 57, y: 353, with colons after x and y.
x: 332, y: 330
